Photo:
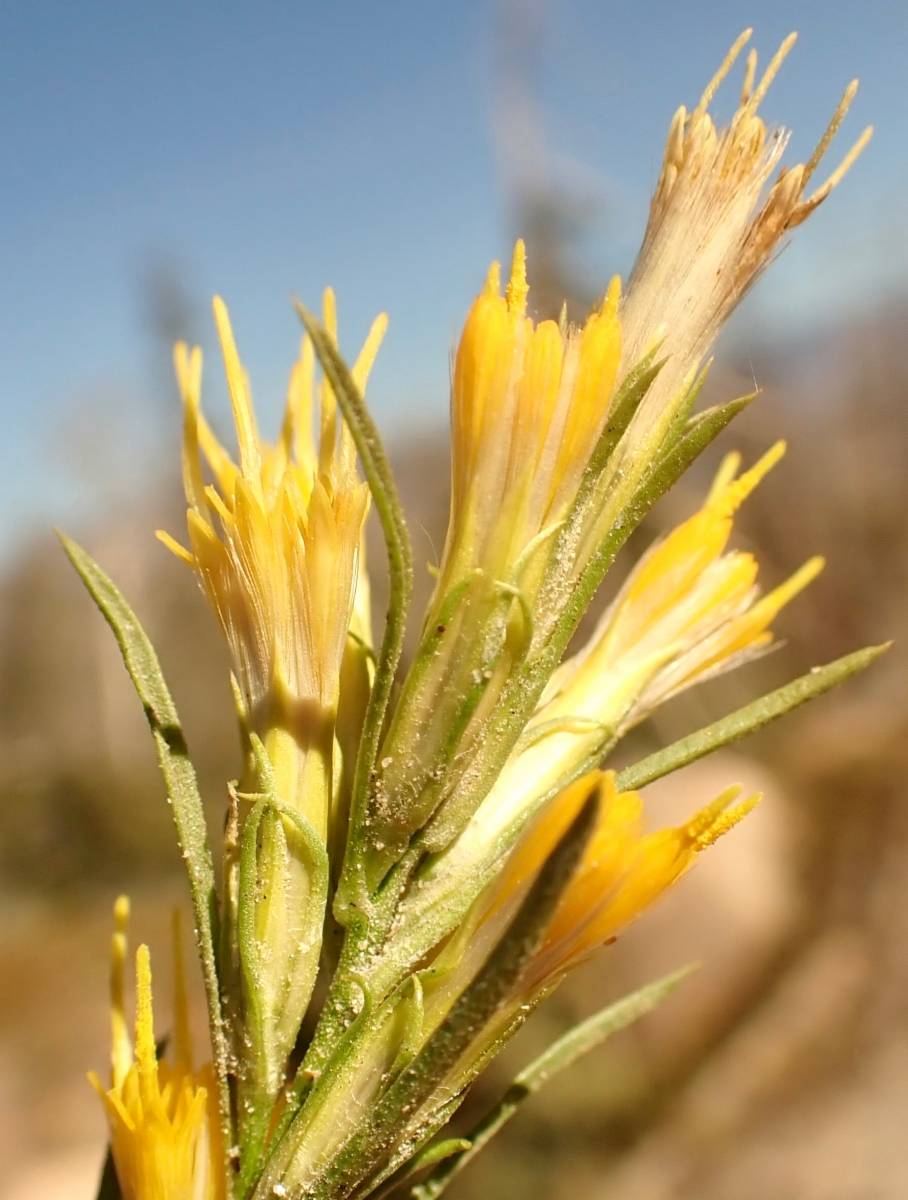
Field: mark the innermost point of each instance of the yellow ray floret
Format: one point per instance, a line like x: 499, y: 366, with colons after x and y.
x: 688, y: 609
x: 275, y: 538
x: 528, y: 402
x: 164, y: 1130
x: 622, y: 872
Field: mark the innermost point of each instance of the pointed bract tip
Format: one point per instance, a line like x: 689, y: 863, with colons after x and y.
x: 518, y: 289
x: 492, y: 286
x: 329, y: 311
x: 121, y: 912
x: 612, y: 297
x: 772, y: 70
x: 724, y: 67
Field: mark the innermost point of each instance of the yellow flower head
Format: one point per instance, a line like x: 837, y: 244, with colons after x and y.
x: 164, y: 1130
x: 687, y: 611
x: 711, y: 230
x: 528, y: 402
x: 275, y: 539
x: 622, y: 872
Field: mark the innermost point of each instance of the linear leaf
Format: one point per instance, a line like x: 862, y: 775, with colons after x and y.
x: 254, y: 1121
x: 400, y: 567
x: 746, y: 720
x: 557, y: 1058
x: 681, y: 421
x: 399, y: 1168
x: 438, y: 1152
x: 182, y: 789
x: 628, y: 399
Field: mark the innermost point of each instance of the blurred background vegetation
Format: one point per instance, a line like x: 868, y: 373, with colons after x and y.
x: 781, y: 1068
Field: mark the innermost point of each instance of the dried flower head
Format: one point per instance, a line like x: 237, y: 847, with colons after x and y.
x: 712, y: 226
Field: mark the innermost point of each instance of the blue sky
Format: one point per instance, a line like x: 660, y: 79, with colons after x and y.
x: 261, y: 150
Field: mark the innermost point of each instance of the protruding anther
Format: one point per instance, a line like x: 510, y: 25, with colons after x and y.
x: 726, y: 65
x: 771, y: 71
x: 518, y: 289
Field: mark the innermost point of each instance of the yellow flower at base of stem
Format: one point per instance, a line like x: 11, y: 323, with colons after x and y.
x: 164, y: 1129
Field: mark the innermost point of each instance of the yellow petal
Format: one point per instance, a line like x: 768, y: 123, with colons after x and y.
x: 240, y: 400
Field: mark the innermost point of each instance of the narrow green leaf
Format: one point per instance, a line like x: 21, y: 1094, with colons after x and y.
x: 400, y: 1169
x: 247, y: 942
x: 182, y: 789
x: 557, y: 1058
x: 682, y: 419
x: 400, y: 567
x: 701, y: 431
x: 746, y: 720
x: 258, y: 1105
x: 438, y: 1152
x: 628, y: 399
x: 704, y: 427
x: 429, y: 642
x: 413, y: 1006
x: 254, y: 1101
